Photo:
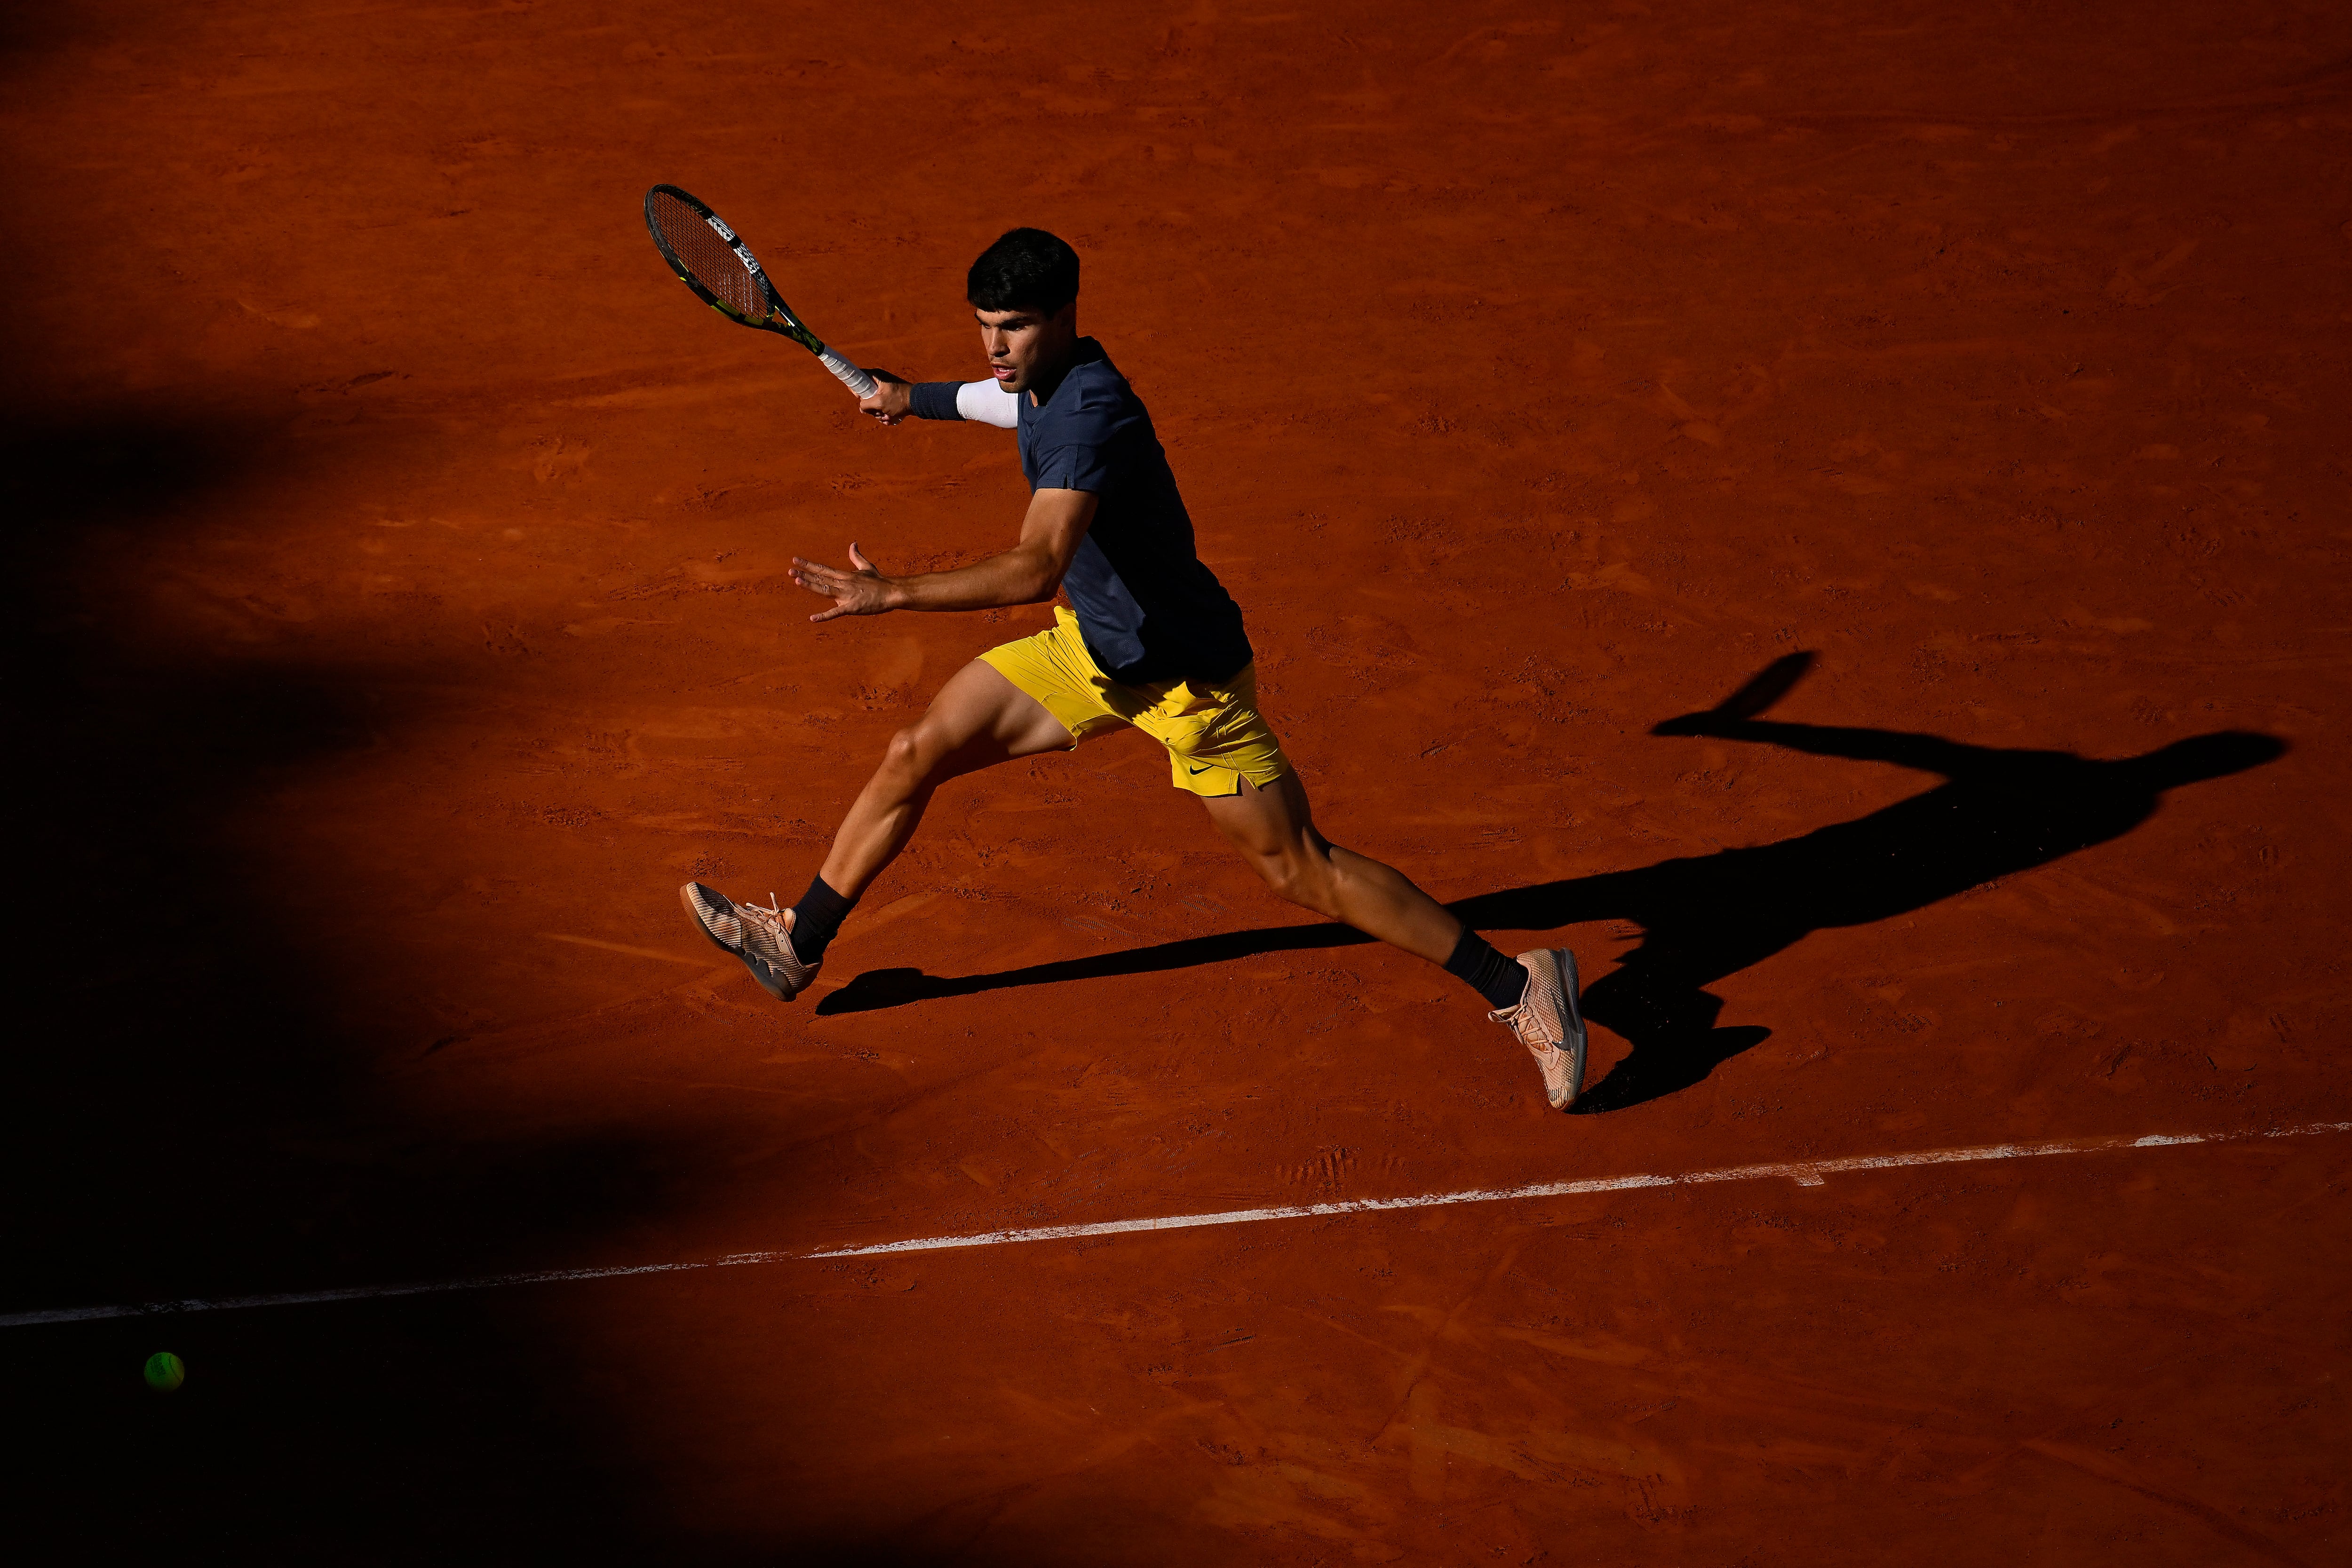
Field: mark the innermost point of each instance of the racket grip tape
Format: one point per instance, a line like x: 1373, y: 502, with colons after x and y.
x: 853, y: 378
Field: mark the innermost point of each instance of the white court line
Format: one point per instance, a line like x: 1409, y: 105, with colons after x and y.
x: 1804, y: 1173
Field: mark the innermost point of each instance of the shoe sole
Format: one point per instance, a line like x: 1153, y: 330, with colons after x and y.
x: 685, y: 897
x: 1573, y: 1026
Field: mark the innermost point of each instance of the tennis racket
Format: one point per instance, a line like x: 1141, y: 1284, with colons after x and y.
x: 724, y: 274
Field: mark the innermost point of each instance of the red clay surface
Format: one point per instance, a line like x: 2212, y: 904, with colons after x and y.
x: 399, y: 556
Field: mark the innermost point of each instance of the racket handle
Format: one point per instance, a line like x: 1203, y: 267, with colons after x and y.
x: 853, y: 378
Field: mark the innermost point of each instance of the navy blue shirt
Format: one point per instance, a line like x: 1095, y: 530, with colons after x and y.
x: 1150, y: 610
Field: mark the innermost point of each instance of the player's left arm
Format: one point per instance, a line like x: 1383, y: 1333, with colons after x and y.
x: 1028, y: 573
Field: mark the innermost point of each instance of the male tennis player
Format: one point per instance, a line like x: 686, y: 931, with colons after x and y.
x: 1149, y: 640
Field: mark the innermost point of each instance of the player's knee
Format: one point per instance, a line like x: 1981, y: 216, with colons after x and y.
x: 906, y: 755
x: 1300, y: 877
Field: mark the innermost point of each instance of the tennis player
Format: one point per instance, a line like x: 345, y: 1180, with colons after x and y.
x: 1148, y: 639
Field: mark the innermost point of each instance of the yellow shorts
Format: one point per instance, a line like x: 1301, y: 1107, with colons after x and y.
x: 1214, y: 734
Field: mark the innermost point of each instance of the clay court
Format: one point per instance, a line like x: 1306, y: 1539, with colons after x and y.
x: 399, y: 566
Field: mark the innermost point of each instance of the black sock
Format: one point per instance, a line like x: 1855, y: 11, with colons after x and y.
x: 1485, y: 971
x: 816, y: 917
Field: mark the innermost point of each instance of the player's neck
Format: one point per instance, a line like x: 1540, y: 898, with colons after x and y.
x: 1041, y: 385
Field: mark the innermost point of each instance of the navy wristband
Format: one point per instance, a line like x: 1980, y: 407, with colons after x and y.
x: 934, y: 400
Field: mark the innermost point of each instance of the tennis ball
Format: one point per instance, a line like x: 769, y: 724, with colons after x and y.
x: 165, y: 1372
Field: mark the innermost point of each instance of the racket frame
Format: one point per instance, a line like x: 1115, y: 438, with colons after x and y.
x: 780, y: 317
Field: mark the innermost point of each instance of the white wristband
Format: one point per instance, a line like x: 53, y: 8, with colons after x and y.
x: 985, y: 403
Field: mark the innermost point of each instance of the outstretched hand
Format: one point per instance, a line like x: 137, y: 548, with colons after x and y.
x: 862, y: 590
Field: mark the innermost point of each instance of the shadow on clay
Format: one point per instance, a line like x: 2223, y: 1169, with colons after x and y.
x: 188, y: 1116
x: 1998, y: 811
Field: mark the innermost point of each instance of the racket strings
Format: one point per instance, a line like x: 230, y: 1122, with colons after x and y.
x: 712, y: 260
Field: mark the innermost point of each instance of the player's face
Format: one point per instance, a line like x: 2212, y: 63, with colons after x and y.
x: 1025, y: 346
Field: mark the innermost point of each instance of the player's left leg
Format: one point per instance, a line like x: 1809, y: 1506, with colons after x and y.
x: 1274, y: 828
x: 979, y: 719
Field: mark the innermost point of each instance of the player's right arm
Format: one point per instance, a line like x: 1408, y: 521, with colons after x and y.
x: 984, y: 403
x: 892, y: 401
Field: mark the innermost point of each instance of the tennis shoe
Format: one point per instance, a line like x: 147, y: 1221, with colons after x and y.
x: 1547, y: 1023
x: 762, y: 938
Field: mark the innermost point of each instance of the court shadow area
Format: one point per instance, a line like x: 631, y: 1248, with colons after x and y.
x: 1998, y: 811
x: 188, y: 1116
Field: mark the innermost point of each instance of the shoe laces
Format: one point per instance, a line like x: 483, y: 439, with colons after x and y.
x: 1530, y: 1028
x: 1528, y: 1022
x: 774, y: 911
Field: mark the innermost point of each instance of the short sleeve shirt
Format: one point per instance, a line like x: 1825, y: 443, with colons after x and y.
x: 1150, y: 610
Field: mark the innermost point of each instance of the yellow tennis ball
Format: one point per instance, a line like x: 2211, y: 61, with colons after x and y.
x: 165, y: 1372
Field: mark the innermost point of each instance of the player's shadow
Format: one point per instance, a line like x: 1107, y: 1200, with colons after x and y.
x: 1998, y: 812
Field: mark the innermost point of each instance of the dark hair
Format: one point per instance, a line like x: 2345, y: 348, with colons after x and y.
x: 1026, y: 269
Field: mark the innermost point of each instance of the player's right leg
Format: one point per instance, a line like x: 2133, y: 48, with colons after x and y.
x: 979, y: 719
x: 1535, y: 995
